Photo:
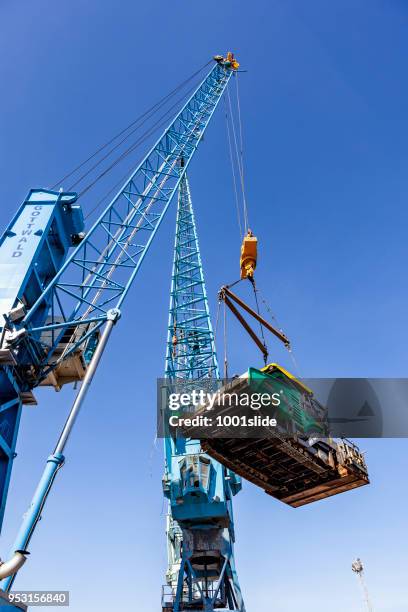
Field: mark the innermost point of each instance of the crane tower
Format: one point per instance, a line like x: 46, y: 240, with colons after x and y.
x: 200, y: 528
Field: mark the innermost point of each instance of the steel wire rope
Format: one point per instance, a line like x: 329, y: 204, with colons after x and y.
x: 131, y: 212
x: 240, y: 169
x: 225, y: 343
x: 234, y: 180
x: 114, y: 264
x: 121, y: 180
x: 241, y: 147
x: 152, y: 109
x: 239, y: 151
x: 126, y: 137
x: 118, y: 259
x: 159, y: 123
x: 217, y: 318
x: 260, y: 324
x: 130, y: 237
x: 273, y: 316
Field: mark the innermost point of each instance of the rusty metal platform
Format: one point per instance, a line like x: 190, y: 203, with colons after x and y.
x: 288, y: 461
x: 291, y: 469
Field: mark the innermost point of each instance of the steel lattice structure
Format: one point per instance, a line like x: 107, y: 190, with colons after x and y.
x: 205, y: 531
x: 97, y: 276
x: 61, y: 294
x: 62, y: 304
x: 190, y: 343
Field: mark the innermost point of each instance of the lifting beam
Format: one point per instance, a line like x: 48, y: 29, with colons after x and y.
x: 228, y: 297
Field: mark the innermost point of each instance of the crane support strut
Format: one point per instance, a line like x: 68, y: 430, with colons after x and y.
x: 57, y: 459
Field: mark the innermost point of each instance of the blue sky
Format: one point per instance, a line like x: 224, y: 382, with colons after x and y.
x: 324, y: 104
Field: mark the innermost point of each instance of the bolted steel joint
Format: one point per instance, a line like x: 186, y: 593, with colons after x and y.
x: 113, y: 314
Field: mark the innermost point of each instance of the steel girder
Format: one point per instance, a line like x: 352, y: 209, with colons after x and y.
x: 99, y: 273
x: 204, y: 536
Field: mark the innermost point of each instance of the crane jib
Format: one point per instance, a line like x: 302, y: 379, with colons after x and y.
x: 82, y: 292
x: 98, y: 274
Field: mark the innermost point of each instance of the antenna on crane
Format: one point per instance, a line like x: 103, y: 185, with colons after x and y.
x: 358, y: 568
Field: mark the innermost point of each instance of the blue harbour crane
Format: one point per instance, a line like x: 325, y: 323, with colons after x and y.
x: 200, y: 528
x: 62, y: 292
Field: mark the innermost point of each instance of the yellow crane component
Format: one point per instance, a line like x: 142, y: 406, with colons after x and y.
x: 229, y: 61
x: 249, y: 253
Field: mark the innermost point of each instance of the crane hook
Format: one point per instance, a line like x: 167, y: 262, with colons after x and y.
x: 249, y: 254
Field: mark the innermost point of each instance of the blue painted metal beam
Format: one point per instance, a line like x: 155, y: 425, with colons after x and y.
x: 32, y: 249
x: 200, y: 516
x: 99, y: 273
x: 92, y: 284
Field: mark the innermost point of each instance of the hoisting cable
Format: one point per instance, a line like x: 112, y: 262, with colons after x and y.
x: 121, y: 180
x: 265, y: 355
x: 228, y: 302
x: 241, y: 151
x: 144, y: 116
x: 108, y: 193
x: 152, y: 109
x: 140, y: 140
x: 229, y: 297
x: 234, y: 283
x: 294, y: 361
x: 248, y: 258
x: 159, y: 123
x: 240, y: 169
x: 88, y: 172
x: 217, y: 318
x: 115, y: 263
x: 234, y: 180
x: 225, y: 343
x: 273, y: 316
x: 135, y: 229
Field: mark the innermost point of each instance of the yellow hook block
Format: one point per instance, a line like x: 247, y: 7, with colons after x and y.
x: 249, y: 254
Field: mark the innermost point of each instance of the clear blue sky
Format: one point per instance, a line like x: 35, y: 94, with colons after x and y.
x: 324, y: 105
